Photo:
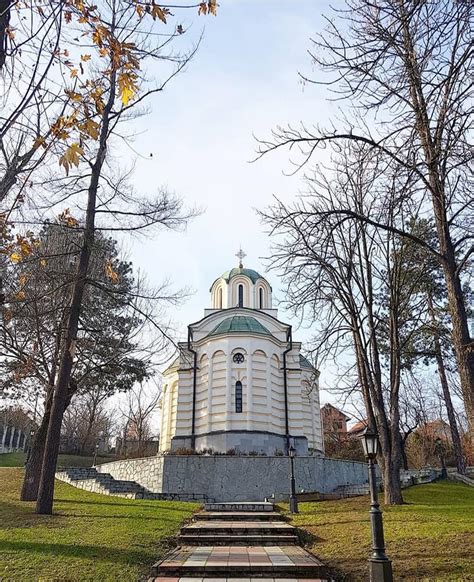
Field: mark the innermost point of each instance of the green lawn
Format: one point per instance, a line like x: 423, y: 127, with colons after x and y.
x: 19, y: 459
x: 429, y: 538
x: 90, y: 537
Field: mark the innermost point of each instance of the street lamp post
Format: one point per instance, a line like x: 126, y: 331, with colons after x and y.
x: 30, y: 441
x: 95, y: 453
x: 380, y: 566
x: 293, y: 499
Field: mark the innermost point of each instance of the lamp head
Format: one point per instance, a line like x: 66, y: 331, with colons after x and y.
x: 370, y: 443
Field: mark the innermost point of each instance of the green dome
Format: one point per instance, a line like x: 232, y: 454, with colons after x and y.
x: 240, y: 323
x: 250, y: 273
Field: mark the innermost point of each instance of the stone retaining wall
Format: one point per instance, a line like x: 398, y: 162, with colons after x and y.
x: 229, y: 478
x: 147, y: 472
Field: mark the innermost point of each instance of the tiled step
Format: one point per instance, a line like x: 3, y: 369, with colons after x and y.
x: 222, y: 578
x: 238, y: 528
x: 257, y: 506
x: 230, y: 561
x: 237, y: 540
x: 239, y: 516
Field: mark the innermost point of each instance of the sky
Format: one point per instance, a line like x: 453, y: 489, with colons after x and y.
x: 242, y: 82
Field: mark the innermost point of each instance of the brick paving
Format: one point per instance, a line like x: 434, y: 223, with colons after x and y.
x: 209, y: 556
x: 241, y: 555
x: 194, y: 579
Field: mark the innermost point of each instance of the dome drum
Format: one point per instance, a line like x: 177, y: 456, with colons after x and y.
x: 241, y: 287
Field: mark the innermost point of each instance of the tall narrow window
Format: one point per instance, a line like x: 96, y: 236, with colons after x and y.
x: 260, y: 297
x: 219, y: 298
x: 241, y: 295
x: 238, y: 396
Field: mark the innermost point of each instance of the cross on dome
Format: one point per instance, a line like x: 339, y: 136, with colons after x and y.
x: 240, y: 255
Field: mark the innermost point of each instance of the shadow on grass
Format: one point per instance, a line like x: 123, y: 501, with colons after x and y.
x: 126, y: 556
x: 98, y: 516
x: 138, y: 503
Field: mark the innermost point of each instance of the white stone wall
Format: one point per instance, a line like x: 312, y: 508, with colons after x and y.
x: 261, y: 375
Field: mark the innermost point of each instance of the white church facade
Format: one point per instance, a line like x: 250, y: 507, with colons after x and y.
x: 240, y: 382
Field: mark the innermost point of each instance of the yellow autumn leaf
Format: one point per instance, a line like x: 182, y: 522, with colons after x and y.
x: 111, y: 274
x: 127, y: 87
x: 20, y: 295
x: 39, y: 141
x: 212, y: 7
x: 67, y: 218
x: 90, y: 128
x: 71, y: 157
x: 73, y: 95
x: 43, y: 262
x: 25, y: 247
x: 15, y: 257
x: 22, y: 280
x: 85, y: 58
x: 73, y: 73
x: 160, y: 13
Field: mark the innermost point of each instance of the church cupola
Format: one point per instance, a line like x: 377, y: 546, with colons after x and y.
x: 241, y: 287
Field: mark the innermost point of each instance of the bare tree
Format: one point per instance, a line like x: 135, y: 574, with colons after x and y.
x: 87, y: 421
x: 404, y: 67
x: 139, y: 408
x: 347, y: 278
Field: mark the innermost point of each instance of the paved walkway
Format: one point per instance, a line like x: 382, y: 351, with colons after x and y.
x: 227, y: 544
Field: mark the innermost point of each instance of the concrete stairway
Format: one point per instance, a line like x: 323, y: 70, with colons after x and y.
x: 92, y: 480
x: 238, y: 541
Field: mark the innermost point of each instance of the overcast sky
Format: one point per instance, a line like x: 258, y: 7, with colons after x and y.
x: 242, y: 82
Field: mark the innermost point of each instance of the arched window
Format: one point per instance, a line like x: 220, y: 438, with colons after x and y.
x: 260, y: 297
x: 241, y: 296
x: 238, y: 396
x: 219, y: 298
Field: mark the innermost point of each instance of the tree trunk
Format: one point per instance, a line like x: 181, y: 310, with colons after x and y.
x: 46, y: 489
x: 391, y: 480
x: 462, y: 348
x: 453, y: 425
x: 31, y: 480
x: 456, y: 301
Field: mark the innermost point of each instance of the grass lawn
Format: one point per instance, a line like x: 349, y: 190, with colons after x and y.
x: 431, y: 537
x: 90, y: 537
x: 19, y: 459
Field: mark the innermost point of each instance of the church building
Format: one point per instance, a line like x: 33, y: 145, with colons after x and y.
x: 240, y: 383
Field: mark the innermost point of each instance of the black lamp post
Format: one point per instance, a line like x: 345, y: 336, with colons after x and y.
x: 95, y: 453
x: 380, y: 566
x: 293, y: 499
x: 30, y: 443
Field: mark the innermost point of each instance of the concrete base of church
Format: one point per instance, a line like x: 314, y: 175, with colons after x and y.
x: 242, y: 441
x: 233, y: 478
